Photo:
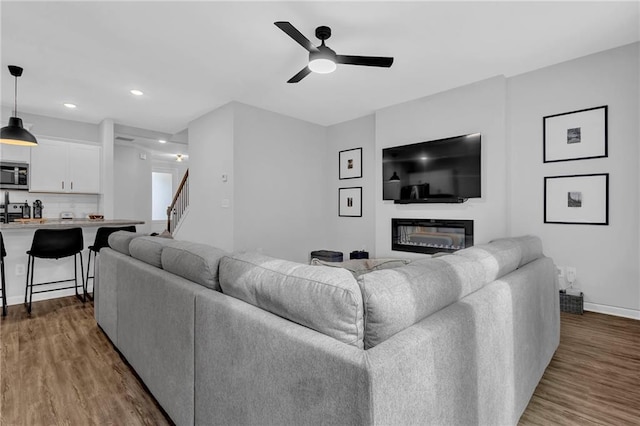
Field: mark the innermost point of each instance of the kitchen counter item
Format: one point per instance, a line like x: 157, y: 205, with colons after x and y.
x: 37, y: 209
x: 31, y: 220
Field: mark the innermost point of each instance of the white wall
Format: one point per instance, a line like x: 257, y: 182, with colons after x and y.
x: 132, y: 179
x: 210, y: 156
x: 275, y: 190
x: 479, y: 107
x: 606, y: 257
x: 347, y: 234
x: 279, y: 184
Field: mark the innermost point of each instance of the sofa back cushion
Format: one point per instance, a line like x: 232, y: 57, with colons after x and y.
x: 196, y: 262
x: 149, y: 249
x: 120, y: 240
x: 395, y: 299
x: 324, y: 299
x: 505, y: 255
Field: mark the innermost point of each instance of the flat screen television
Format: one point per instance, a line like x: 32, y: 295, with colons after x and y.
x: 440, y: 171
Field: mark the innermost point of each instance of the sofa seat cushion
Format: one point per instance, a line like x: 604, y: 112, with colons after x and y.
x: 504, y: 255
x: 196, y: 262
x: 120, y: 240
x: 324, y: 299
x: 395, y: 299
x: 149, y: 249
x: 362, y: 266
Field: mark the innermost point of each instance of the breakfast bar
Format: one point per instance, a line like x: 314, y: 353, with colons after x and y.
x: 18, y: 236
x: 66, y: 223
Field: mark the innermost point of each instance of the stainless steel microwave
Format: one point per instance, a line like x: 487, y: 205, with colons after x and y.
x: 14, y: 175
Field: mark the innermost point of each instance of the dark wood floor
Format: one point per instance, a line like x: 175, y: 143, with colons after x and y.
x: 594, y: 376
x: 57, y: 367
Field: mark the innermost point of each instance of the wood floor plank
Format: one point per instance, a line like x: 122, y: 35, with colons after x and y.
x: 58, y: 368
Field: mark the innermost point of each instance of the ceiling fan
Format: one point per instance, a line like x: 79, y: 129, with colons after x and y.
x: 323, y: 59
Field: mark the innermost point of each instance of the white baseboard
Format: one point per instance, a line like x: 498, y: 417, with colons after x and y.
x: 612, y: 310
x: 19, y: 300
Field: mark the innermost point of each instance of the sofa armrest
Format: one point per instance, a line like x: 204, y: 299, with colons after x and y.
x: 454, y: 367
x: 253, y: 367
x: 476, y: 361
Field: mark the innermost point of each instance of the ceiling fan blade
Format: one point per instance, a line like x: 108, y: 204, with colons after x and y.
x: 369, y: 61
x: 296, y: 35
x: 302, y: 74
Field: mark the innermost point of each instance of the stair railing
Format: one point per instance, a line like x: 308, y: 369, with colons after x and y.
x: 179, y: 204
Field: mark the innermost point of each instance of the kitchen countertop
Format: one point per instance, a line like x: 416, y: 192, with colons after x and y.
x: 69, y: 223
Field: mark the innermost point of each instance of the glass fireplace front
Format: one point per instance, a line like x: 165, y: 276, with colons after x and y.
x: 431, y: 235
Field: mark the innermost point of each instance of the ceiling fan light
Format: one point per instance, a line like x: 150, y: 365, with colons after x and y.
x: 322, y: 65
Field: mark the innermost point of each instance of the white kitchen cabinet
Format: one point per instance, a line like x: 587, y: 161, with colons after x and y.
x: 64, y: 167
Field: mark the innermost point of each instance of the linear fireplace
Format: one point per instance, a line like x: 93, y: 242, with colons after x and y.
x: 431, y: 235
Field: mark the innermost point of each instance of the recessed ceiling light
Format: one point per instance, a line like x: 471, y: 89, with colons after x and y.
x: 70, y: 105
x: 136, y: 92
x: 162, y: 141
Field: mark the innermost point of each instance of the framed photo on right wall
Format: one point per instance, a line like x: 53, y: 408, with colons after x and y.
x: 577, y: 199
x: 575, y: 135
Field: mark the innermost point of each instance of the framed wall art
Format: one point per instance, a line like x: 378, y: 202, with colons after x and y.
x: 577, y: 199
x: 350, y: 202
x: 350, y: 163
x: 576, y: 135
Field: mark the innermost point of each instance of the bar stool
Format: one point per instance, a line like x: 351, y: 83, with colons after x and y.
x: 101, y: 241
x: 3, y: 253
x: 55, y: 244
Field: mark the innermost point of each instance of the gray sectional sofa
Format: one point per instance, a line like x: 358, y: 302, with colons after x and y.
x: 243, y: 338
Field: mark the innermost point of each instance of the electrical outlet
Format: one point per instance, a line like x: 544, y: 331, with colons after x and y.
x: 20, y: 269
x: 571, y: 274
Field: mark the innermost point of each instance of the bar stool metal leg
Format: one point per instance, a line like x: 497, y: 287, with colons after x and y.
x: 86, y: 287
x: 75, y: 272
x: 30, y: 264
x: 3, y: 279
x: 4, y: 290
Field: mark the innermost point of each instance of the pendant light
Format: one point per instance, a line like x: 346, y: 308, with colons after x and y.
x: 14, y: 133
x: 394, y: 178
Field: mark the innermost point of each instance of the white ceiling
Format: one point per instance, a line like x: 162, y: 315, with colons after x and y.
x: 192, y: 57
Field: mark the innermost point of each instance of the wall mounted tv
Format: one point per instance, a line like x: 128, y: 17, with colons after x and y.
x: 440, y: 171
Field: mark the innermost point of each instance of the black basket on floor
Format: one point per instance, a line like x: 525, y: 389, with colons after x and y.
x: 570, y: 303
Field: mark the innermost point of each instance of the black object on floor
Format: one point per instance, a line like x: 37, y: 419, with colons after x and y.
x: 359, y: 254
x: 327, y: 255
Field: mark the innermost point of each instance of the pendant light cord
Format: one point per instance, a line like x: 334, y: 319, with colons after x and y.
x: 15, y: 98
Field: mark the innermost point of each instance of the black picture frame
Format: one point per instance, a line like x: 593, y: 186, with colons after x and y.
x: 575, y: 135
x: 577, y: 199
x: 350, y: 163
x: 350, y: 201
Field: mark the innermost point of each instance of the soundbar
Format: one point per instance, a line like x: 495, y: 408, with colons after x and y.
x: 451, y: 200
